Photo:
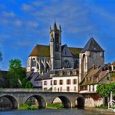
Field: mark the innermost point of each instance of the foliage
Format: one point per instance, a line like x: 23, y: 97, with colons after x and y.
x: 16, y: 77
x: 105, y: 89
x: 102, y: 107
x: 28, y: 107
x: 55, y: 106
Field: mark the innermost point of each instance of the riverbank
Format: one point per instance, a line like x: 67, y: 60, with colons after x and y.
x: 35, y: 107
x: 100, y: 111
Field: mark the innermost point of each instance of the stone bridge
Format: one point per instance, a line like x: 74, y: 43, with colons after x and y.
x: 20, y: 96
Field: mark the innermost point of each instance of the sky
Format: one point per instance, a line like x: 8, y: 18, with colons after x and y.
x: 25, y: 23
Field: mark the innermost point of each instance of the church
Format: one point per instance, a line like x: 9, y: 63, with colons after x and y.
x: 44, y: 58
x: 58, y: 67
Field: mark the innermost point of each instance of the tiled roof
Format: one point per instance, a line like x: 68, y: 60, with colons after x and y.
x: 44, y: 50
x: 41, y: 50
x: 97, y: 75
x: 92, y: 45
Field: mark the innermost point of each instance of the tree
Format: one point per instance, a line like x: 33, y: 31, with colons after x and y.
x: 17, y: 75
x: 104, y: 90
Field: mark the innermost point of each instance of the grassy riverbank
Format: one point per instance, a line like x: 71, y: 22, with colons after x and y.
x: 55, y: 106
x: 28, y: 107
x: 35, y: 107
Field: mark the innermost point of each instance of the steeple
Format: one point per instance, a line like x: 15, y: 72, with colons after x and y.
x: 55, y: 26
x: 55, y: 47
x: 92, y: 45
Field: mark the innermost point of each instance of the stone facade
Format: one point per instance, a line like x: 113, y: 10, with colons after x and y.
x: 91, y: 55
x: 44, y: 58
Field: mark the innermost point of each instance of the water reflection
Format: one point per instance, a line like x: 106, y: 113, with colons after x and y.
x: 50, y: 112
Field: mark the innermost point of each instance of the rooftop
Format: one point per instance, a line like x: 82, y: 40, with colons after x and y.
x: 92, y: 45
x: 44, y: 51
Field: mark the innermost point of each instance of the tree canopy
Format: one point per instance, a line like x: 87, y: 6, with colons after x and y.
x: 17, y: 75
x: 105, y: 89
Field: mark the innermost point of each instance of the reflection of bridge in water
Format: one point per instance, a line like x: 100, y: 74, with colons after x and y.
x: 18, y: 97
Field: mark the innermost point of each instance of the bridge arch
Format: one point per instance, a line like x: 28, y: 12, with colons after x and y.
x: 80, y: 102
x: 40, y: 100
x: 13, y: 101
x: 65, y: 101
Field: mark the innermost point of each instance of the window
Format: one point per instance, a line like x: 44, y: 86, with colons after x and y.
x: 68, y: 81
x: 93, y: 88
x: 55, y: 82
x: 61, y: 82
x: 89, y: 88
x: 51, y: 82
x: 45, y: 89
x: 45, y: 82
x: 74, y: 81
x: 33, y: 63
x: 33, y: 58
x: 68, y: 88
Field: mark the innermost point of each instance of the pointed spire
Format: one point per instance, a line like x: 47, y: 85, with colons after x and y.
x: 55, y: 26
x: 60, y: 27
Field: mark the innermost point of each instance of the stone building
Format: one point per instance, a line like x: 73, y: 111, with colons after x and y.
x: 91, y: 55
x: 64, y: 80
x: 44, y: 58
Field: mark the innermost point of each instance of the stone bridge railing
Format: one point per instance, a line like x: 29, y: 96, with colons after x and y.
x: 20, y: 96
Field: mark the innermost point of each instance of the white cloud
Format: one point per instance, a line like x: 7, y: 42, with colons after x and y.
x: 18, y: 22
x: 26, y: 7
x: 8, y: 14
x: 72, y: 15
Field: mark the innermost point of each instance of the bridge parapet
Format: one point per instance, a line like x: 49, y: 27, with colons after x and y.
x: 21, y: 95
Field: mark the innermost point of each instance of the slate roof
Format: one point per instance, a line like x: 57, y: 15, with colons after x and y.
x: 92, y: 45
x: 44, y: 50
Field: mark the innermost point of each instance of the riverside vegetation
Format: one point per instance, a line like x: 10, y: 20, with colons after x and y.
x: 35, y: 107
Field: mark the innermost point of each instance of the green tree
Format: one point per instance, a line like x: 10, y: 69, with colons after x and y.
x: 17, y: 75
x: 104, y: 90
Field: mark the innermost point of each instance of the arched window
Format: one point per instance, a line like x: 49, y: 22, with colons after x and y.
x: 47, y: 67
x: 42, y: 67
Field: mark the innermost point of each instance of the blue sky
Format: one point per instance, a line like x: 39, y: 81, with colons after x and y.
x: 25, y: 23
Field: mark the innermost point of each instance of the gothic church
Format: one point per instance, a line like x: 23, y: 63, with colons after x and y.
x: 44, y: 58
x: 56, y: 56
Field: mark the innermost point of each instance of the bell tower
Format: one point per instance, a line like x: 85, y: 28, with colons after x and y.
x: 55, y: 47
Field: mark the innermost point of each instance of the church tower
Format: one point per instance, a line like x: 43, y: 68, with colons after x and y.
x: 91, y: 55
x: 55, y: 47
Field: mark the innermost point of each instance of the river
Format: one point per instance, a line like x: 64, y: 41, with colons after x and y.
x: 49, y: 112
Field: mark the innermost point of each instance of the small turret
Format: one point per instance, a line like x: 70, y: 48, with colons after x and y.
x: 55, y: 26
